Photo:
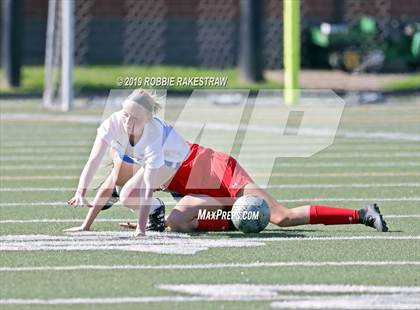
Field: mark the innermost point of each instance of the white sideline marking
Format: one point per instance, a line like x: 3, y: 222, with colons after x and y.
x: 210, y: 266
x: 375, y: 297
x: 290, y: 296
x: 319, y: 185
x: 245, y: 164
x: 170, y: 202
x: 268, y: 290
x: 284, y: 175
x: 219, y: 126
x: 351, y: 302
x: 125, y: 220
x: 161, y: 243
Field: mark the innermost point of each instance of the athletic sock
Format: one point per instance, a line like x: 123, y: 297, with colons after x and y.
x: 156, y: 203
x: 213, y: 225
x: 333, y: 216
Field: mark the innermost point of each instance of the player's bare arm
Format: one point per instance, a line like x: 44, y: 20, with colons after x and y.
x: 89, y: 170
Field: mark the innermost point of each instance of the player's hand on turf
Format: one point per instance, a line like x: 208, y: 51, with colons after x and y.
x: 76, y: 229
x: 78, y: 200
x: 128, y: 225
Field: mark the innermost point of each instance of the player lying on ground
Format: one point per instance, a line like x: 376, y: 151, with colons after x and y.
x: 148, y: 155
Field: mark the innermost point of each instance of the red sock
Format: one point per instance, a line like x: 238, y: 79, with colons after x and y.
x: 333, y: 216
x: 213, y: 225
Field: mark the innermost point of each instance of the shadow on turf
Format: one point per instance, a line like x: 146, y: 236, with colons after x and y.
x: 268, y: 233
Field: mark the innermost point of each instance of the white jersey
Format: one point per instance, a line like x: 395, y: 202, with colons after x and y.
x: 159, y: 144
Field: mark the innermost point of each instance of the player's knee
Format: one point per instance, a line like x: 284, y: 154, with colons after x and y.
x: 127, y: 197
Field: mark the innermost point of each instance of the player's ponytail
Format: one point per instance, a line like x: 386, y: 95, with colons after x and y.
x: 146, y: 99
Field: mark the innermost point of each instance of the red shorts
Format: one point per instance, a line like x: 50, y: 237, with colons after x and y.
x: 211, y: 173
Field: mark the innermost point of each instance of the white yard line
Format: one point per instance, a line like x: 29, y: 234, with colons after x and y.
x: 43, y: 150
x: 339, y: 155
x: 348, y: 185
x: 283, y: 175
x: 41, y: 167
x: 36, y: 189
x: 61, y: 221
x: 401, y: 216
x: 350, y: 302
x: 41, y: 177
x: 336, y: 155
x: 245, y: 289
x: 289, y: 186
x: 211, y: 266
x: 245, y: 164
x: 382, y: 164
x: 319, y: 296
x: 118, y: 300
x: 344, y: 174
x: 161, y: 243
x: 80, y: 150
x: 46, y: 143
x: 322, y: 296
x: 42, y: 158
x: 62, y: 203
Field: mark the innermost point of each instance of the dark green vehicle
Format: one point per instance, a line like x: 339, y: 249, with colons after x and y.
x: 363, y: 47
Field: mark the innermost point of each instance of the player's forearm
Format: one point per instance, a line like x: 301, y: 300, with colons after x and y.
x: 146, y: 196
x: 86, y: 176
x: 102, y: 196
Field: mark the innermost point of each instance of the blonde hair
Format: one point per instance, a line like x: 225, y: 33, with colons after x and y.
x: 147, y: 99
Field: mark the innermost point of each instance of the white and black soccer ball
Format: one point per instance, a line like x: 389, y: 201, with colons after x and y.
x: 250, y: 214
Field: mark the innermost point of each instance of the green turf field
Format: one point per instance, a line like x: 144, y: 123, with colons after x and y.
x: 303, y: 267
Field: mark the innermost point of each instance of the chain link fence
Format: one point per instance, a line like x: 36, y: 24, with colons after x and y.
x: 206, y: 32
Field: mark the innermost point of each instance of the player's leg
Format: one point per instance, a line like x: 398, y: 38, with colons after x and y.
x: 121, y: 172
x: 316, y: 214
x: 129, y: 177
x: 185, y: 215
x: 280, y: 215
x: 129, y: 194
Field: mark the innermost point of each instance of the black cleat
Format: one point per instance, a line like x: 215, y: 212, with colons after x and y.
x: 156, y: 220
x: 112, y: 200
x: 371, y: 216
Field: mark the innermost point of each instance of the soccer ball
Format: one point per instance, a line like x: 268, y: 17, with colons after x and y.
x: 250, y: 214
